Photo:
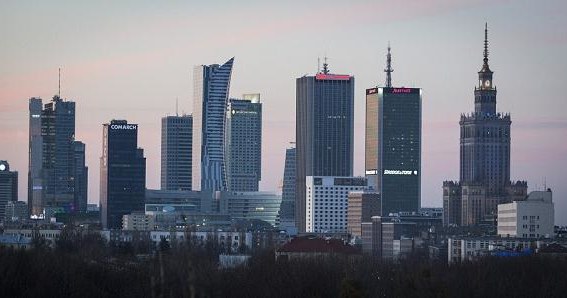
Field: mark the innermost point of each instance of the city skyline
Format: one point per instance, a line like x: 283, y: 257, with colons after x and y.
x: 135, y: 80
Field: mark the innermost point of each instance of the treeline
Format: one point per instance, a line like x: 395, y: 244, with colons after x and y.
x: 88, y: 267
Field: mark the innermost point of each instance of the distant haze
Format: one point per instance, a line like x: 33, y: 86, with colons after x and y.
x: 132, y: 59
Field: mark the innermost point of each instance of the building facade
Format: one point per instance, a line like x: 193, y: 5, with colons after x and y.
x: 393, y: 147
x: 16, y: 211
x: 122, y: 173
x: 243, y: 143
x: 326, y: 209
x: 484, y: 158
x: 211, y: 87
x: 532, y: 217
x: 8, y: 187
x: 324, y: 131
x: 176, y: 152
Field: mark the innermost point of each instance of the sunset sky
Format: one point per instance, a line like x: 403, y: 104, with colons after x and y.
x: 132, y: 59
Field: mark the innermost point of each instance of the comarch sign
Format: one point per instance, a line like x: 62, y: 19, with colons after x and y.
x: 399, y: 172
x: 124, y: 126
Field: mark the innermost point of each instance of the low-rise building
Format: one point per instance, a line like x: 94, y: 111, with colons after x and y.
x: 532, y: 217
x: 473, y: 248
x: 362, y: 205
x: 138, y: 221
x: 311, y: 246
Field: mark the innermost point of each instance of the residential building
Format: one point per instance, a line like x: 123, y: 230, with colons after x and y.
x: 324, y: 131
x: 473, y: 248
x: 314, y: 247
x: 243, y: 143
x: 532, y: 217
x: 211, y: 87
x: 138, y: 220
x: 327, y: 202
x: 122, y: 173
x: 176, y: 152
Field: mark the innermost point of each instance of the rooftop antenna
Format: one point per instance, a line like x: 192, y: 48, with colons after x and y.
x: 177, y: 106
x: 388, y: 69
x: 59, y: 90
x: 325, y: 66
x: 318, y: 64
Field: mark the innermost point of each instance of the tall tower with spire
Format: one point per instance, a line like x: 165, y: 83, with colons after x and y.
x: 393, y: 145
x: 485, y: 158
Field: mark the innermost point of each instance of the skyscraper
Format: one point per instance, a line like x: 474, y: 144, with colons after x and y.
x: 393, y: 145
x: 211, y: 86
x: 243, y: 143
x: 324, y: 131
x: 287, y: 207
x: 122, y: 173
x: 53, y: 175
x: 35, y: 158
x: 485, y: 158
x: 176, y: 152
x: 8, y: 187
x: 81, y: 177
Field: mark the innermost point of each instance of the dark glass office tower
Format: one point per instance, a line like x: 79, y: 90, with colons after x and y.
x: 57, y: 175
x: 243, y: 143
x: 58, y: 171
x: 176, y: 152
x: 393, y: 147
x: 324, y: 131
x: 122, y: 173
x: 8, y: 187
x: 211, y: 87
x: 287, y: 207
x: 81, y: 177
x: 35, y: 157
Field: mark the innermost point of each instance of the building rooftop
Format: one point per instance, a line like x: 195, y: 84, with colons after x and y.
x: 317, y: 245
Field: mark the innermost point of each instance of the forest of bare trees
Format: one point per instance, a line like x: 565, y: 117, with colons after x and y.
x: 86, y: 266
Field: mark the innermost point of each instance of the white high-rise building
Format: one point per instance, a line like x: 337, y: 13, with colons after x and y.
x: 327, y: 202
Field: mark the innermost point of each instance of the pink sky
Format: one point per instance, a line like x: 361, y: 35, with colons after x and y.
x: 131, y: 60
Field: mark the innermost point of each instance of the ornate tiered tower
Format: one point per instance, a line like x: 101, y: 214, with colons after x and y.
x: 484, y: 155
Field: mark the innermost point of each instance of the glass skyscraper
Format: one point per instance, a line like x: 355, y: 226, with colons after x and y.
x: 210, y: 98
x: 243, y: 143
x: 122, y: 173
x: 176, y: 152
x: 287, y: 208
x: 324, y: 131
x: 57, y: 176
x: 393, y: 147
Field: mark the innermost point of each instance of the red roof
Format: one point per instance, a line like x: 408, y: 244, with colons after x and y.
x: 317, y: 245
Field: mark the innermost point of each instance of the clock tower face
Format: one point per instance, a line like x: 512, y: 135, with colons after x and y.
x: 2, y: 167
x: 487, y: 83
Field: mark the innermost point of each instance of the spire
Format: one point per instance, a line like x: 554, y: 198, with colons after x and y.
x: 486, y: 44
x: 388, y: 69
x: 485, y: 67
